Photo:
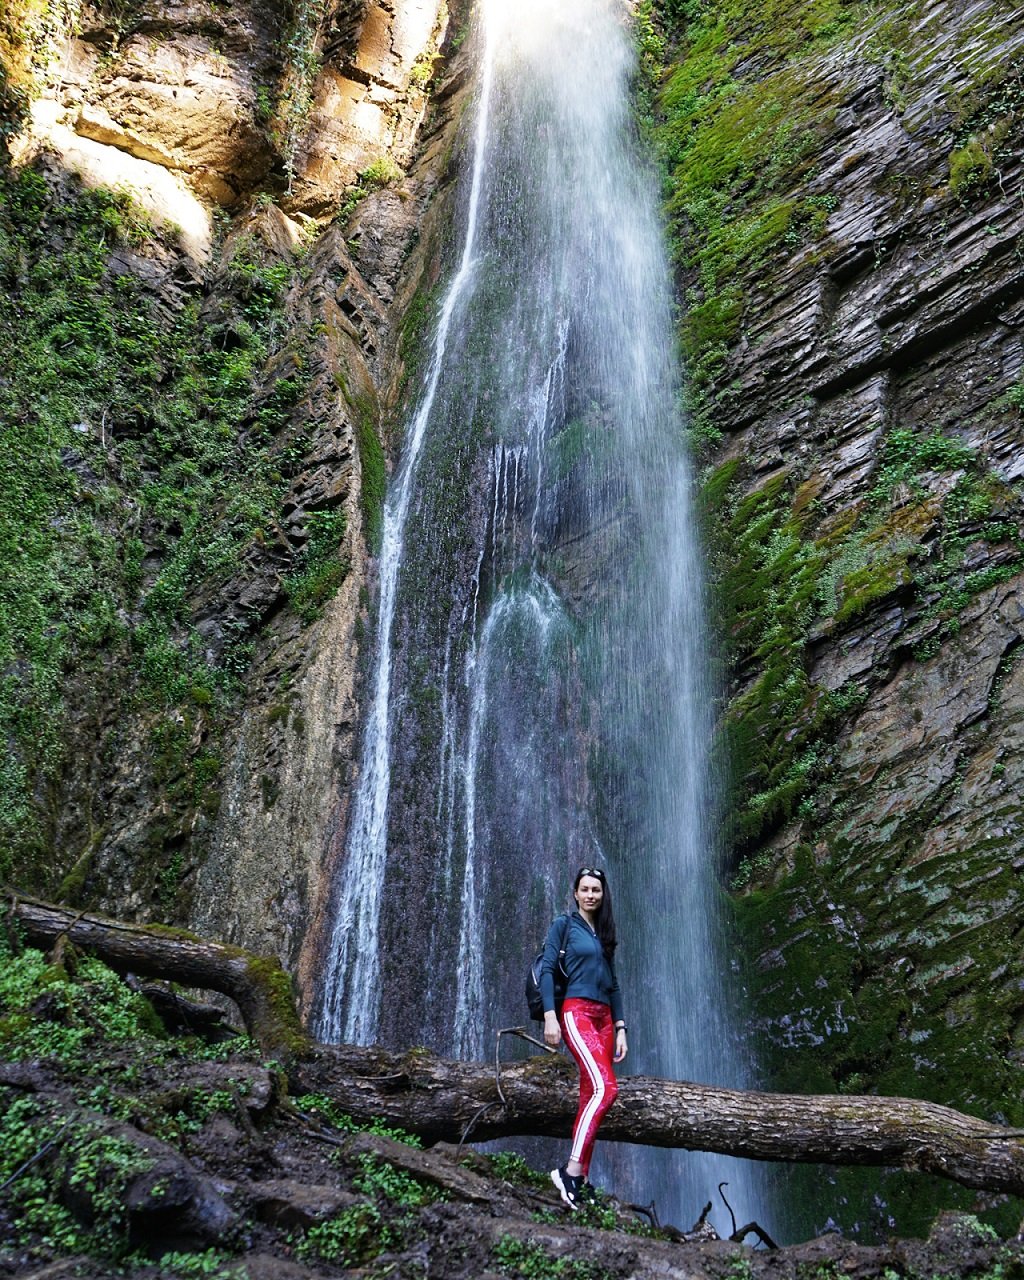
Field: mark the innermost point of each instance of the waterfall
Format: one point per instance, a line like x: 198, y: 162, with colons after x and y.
x: 350, y: 1006
x: 539, y: 699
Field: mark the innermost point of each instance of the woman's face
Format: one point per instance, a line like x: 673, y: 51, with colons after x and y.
x: 589, y: 894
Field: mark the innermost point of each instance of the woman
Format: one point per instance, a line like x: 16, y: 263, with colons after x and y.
x: 590, y: 1019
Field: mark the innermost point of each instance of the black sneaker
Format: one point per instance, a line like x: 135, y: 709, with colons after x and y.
x: 588, y: 1191
x: 568, y: 1186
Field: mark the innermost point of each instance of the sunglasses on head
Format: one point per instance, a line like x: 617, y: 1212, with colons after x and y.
x: 590, y: 871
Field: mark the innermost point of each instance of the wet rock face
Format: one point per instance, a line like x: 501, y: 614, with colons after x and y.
x: 865, y: 527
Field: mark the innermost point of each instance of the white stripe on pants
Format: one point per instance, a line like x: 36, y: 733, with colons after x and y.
x: 597, y: 1081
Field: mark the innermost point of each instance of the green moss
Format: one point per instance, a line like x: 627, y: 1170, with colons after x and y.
x: 738, y: 126
x: 373, y: 470
x: 733, y: 147
x: 328, y: 1110
x: 413, y: 334
x: 970, y: 166
x: 282, y: 1030
x: 320, y: 569
x: 140, y: 456
x: 74, y: 882
x: 779, y: 578
x: 923, y: 1026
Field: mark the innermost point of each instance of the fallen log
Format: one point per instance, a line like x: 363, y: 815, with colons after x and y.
x: 446, y: 1101
x: 440, y: 1100
x: 257, y: 984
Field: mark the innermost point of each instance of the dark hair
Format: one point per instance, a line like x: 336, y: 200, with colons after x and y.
x: 604, y: 916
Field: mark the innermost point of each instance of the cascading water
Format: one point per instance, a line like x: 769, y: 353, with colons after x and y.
x: 539, y: 699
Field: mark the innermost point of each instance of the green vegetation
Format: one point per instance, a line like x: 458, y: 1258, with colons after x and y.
x: 386, y: 1219
x: 381, y: 173
x: 378, y: 1178
x: 413, y: 335
x: 32, y: 36
x: 373, y: 467
x: 353, y: 1237
x: 785, y: 574
x: 85, y: 1158
x: 731, y: 94
x: 65, y: 1170
x: 76, y: 1170
x: 302, y: 63
x: 319, y: 1104
x: 513, y: 1168
x: 533, y: 1262
x: 75, y: 1008
x: 211, y: 1262
x: 737, y: 150
x: 320, y: 570
x: 141, y: 454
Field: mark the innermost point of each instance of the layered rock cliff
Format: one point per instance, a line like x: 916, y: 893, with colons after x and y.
x: 845, y: 188
x: 216, y: 221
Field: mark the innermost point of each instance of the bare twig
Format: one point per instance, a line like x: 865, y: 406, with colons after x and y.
x: 650, y: 1211
x: 523, y: 1035
x: 47, y: 1146
x: 725, y: 1201
x: 752, y: 1228
x: 469, y: 1127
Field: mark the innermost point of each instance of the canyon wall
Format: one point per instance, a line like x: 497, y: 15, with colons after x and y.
x: 238, y: 205
x: 848, y: 220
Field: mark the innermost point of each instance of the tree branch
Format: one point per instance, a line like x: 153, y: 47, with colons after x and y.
x: 259, y: 986
x: 437, y: 1099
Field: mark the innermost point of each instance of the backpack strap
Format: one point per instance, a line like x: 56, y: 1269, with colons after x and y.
x: 564, y: 941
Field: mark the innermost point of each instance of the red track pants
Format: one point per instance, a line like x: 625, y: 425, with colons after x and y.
x: 590, y: 1036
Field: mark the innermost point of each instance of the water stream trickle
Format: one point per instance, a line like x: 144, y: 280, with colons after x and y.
x: 540, y: 696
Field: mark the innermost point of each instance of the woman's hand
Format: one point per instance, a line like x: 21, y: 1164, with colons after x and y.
x: 621, y: 1047
x: 552, y: 1031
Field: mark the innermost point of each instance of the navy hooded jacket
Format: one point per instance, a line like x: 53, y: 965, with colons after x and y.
x: 591, y: 977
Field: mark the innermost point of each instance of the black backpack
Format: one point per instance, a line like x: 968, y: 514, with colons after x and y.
x: 533, y: 996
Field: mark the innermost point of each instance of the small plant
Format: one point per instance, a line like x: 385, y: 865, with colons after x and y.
x: 185, y: 1266
x: 42, y: 1153
x: 379, y: 1178
x: 352, y: 1238
x: 739, y: 1268
x: 44, y: 1014
x: 380, y: 173
x: 302, y: 65
x: 969, y: 1227
x: 320, y: 570
x: 511, y: 1167
x: 533, y: 1262
x: 1014, y: 398
x: 908, y: 455
x: 973, y: 165
x: 321, y: 1105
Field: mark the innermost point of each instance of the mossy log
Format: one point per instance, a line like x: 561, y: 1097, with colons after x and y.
x: 259, y: 986
x: 440, y: 1100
